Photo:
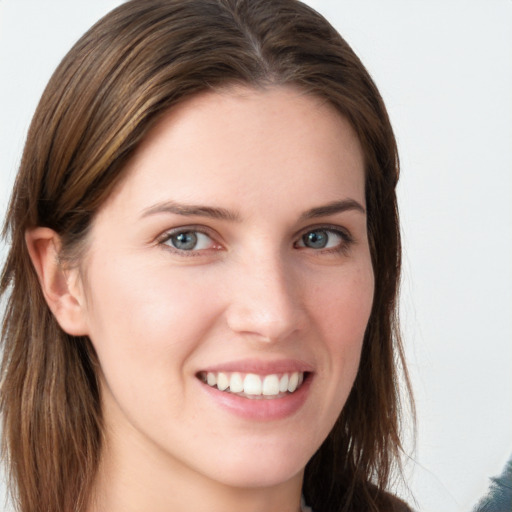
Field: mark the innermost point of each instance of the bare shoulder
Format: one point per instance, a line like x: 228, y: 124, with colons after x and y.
x: 396, y: 505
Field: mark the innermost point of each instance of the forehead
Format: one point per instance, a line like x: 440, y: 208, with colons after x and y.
x: 254, y: 144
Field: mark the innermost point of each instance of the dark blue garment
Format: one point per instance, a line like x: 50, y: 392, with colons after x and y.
x: 499, y: 498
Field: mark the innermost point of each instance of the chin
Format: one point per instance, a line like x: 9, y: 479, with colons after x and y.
x: 266, y: 468
x: 260, y: 477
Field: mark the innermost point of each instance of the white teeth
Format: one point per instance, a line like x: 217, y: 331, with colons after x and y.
x: 222, y: 381
x: 293, y: 382
x: 255, y: 385
x: 283, y: 383
x: 236, y: 384
x: 252, y: 384
x: 270, y: 385
x: 211, y: 379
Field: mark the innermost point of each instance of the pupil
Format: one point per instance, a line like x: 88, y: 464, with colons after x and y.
x: 184, y: 241
x: 315, y: 239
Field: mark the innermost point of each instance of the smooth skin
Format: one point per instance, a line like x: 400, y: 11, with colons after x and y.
x: 215, y: 248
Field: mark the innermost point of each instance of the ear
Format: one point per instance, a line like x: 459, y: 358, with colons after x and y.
x: 62, y: 287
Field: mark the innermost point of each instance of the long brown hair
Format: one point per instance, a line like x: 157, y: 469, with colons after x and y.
x: 111, y: 88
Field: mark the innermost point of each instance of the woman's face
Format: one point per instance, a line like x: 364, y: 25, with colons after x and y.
x: 228, y: 285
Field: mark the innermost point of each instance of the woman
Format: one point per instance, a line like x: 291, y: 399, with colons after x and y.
x: 203, y: 270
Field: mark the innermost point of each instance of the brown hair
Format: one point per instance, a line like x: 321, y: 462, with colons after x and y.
x: 112, y: 87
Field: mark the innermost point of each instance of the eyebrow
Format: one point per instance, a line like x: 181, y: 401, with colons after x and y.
x: 190, y: 210
x: 333, y: 208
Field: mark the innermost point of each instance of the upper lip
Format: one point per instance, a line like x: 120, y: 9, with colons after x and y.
x: 260, y: 367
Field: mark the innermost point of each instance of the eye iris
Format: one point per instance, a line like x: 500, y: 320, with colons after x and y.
x: 315, y: 239
x: 184, y: 241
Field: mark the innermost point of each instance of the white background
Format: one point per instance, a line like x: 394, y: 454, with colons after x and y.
x: 444, y: 68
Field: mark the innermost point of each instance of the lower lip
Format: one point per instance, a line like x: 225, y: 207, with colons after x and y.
x: 263, y: 409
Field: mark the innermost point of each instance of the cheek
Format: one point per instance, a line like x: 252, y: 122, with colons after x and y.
x: 343, y: 305
x: 145, y: 330
x: 147, y: 320
x: 342, y: 310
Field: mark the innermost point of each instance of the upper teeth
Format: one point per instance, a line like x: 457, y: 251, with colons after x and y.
x: 253, y: 384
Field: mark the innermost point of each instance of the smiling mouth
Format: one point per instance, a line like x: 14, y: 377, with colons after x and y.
x: 253, y: 386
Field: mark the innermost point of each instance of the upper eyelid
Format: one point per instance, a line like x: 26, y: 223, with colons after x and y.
x: 165, y: 235
x: 327, y: 227
x: 161, y: 241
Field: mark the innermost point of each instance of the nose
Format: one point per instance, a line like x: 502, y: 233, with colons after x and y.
x: 265, y: 302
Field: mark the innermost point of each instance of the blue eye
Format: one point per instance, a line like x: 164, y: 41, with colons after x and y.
x: 189, y: 241
x: 323, y: 238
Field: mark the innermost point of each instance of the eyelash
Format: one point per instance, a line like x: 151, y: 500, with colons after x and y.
x: 343, y: 247
x: 346, y: 239
x: 166, y: 237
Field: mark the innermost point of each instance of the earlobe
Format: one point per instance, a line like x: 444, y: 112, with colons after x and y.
x: 61, y: 287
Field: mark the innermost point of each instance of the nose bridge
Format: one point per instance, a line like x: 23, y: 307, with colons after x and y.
x: 266, y: 301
